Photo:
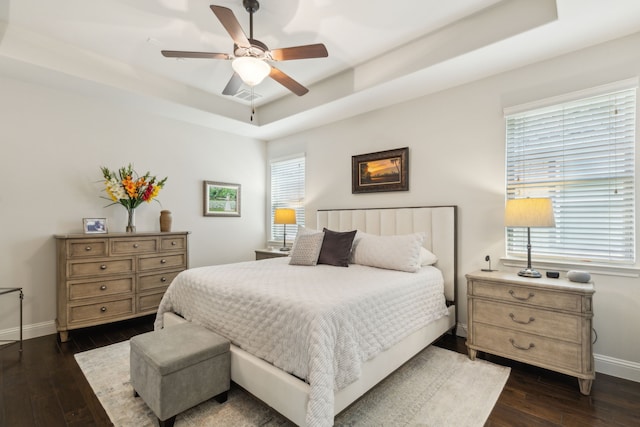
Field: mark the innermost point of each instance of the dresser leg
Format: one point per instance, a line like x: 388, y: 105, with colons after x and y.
x: 472, y: 354
x: 64, y: 336
x: 585, y: 386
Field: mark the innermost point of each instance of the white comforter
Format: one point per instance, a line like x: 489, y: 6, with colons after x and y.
x: 319, y: 323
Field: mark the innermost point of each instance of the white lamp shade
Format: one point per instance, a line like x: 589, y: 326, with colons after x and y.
x: 251, y: 70
x: 530, y: 212
x: 284, y: 216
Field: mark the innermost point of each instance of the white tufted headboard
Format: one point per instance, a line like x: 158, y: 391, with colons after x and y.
x: 438, y: 222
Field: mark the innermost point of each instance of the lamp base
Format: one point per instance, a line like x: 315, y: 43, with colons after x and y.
x: 285, y: 249
x: 529, y: 272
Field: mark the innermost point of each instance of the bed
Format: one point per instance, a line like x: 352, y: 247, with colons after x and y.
x: 311, y: 370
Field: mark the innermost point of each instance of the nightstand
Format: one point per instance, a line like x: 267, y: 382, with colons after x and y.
x: 542, y: 322
x: 270, y: 253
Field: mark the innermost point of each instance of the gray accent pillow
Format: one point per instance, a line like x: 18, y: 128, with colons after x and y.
x: 336, y: 247
x: 306, y: 249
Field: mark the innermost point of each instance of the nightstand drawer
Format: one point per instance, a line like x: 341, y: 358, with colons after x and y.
x: 528, y: 319
x: 528, y: 348
x: 525, y: 295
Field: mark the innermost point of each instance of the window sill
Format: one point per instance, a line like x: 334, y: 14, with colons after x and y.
x: 592, y: 268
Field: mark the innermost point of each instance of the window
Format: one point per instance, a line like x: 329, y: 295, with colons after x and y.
x: 287, y: 191
x: 581, y: 153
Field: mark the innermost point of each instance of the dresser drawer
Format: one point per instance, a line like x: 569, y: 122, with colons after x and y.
x: 528, y: 319
x: 134, y: 246
x: 100, y: 288
x: 528, y: 348
x: 102, y: 310
x: 106, y: 267
x: 82, y: 248
x: 525, y: 295
x: 162, y: 261
x: 155, y: 281
x: 173, y: 243
x: 149, y: 302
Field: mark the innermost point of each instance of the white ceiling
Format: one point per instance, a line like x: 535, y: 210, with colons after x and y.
x: 380, y: 52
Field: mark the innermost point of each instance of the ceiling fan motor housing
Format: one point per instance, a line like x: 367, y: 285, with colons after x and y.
x: 257, y: 50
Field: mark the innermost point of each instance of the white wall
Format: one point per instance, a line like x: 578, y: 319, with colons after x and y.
x: 456, y: 140
x: 52, y: 144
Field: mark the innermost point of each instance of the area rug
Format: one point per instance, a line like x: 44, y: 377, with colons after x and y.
x: 436, y: 388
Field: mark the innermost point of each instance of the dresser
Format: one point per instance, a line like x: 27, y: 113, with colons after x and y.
x: 543, y: 322
x: 109, y: 277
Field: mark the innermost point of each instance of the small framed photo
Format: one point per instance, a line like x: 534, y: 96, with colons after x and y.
x: 94, y: 225
x: 221, y: 199
x: 381, y: 171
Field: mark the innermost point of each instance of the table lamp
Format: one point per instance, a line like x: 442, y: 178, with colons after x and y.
x: 284, y: 216
x: 529, y: 212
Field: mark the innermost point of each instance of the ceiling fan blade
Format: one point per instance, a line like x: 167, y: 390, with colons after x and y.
x: 231, y: 24
x: 300, y: 52
x: 206, y: 55
x: 287, y: 82
x: 234, y: 84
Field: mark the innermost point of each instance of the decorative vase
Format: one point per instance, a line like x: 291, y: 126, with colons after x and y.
x: 165, y: 220
x: 131, y: 220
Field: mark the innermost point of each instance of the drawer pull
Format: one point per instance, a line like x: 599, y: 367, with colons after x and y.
x: 163, y: 261
x: 163, y: 279
x: 103, y: 267
x: 103, y: 287
x: 135, y: 245
x: 88, y: 248
x: 513, y: 343
x: 531, y: 295
x: 173, y: 243
x: 103, y: 309
x: 522, y: 322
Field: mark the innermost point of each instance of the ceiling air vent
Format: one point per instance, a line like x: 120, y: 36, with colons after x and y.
x: 246, y: 95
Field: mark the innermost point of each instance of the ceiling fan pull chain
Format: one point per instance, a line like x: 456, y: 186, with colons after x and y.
x: 253, y: 110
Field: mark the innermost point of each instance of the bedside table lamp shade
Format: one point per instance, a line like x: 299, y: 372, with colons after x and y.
x: 284, y: 216
x: 529, y: 212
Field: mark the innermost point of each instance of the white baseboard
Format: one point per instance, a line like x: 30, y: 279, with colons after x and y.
x: 617, y: 367
x: 604, y: 364
x: 29, y: 331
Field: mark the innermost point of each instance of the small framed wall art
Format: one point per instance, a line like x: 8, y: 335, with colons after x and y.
x: 381, y: 171
x: 94, y: 225
x: 221, y: 199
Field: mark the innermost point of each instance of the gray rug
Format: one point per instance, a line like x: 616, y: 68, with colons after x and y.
x: 436, y: 388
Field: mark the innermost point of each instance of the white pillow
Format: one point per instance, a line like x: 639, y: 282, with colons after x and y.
x: 306, y: 249
x: 427, y: 257
x: 303, y: 230
x: 400, y: 252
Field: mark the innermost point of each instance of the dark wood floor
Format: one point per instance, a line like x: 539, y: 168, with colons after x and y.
x: 45, y: 387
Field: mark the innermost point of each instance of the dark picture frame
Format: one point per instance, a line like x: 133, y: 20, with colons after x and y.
x: 221, y: 199
x: 94, y: 225
x: 381, y: 171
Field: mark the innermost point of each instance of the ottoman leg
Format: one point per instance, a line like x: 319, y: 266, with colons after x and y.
x: 168, y: 422
x: 221, y: 398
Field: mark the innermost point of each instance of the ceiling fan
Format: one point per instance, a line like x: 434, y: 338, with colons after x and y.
x: 250, y: 56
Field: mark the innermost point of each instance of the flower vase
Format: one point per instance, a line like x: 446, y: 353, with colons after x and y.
x: 131, y: 220
x: 165, y: 220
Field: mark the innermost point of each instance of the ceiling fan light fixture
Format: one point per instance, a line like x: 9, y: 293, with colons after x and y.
x: 251, y: 70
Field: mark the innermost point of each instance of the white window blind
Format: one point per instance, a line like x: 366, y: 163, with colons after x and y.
x: 582, y: 155
x: 287, y: 191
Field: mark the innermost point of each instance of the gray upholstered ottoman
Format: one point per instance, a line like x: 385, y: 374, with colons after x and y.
x: 176, y: 368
